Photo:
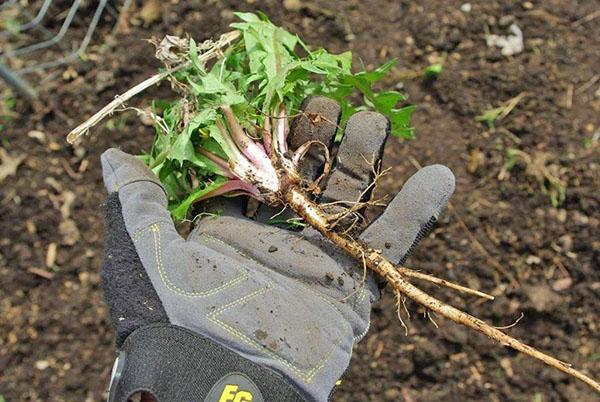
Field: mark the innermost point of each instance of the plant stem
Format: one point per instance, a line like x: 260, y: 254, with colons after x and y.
x: 252, y: 150
x: 281, y: 132
x: 230, y: 187
x: 221, y: 163
x: 267, y: 136
x: 313, y: 215
x: 236, y: 157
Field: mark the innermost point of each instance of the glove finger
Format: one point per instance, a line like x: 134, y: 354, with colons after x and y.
x: 412, y: 213
x: 360, y: 150
x: 143, y: 199
x: 318, y: 120
x: 361, y: 147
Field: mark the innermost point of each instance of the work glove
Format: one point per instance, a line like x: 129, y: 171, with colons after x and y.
x: 241, y: 310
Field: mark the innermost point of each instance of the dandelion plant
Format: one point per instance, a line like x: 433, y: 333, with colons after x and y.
x: 226, y: 134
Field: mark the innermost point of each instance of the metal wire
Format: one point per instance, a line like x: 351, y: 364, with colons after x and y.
x: 14, y: 77
x: 52, y: 41
x: 7, y: 4
x: 34, y: 21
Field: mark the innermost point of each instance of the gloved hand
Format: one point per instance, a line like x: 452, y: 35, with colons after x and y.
x: 243, y: 311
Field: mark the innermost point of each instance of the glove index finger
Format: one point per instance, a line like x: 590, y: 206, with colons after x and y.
x: 317, y: 120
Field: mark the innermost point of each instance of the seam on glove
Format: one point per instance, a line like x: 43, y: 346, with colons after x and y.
x: 358, y: 337
x: 114, y: 174
x: 243, y: 273
x: 306, y: 375
x: 363, y: 292
x: 143, y: 230
x: 421, y: 234
x: 361, y: 295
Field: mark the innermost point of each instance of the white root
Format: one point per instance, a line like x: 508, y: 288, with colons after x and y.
x: 314, y: 216
x: 303, y: 149
x: 409, y: 273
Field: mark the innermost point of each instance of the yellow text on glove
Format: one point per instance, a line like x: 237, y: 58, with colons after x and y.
x: 231, y: 393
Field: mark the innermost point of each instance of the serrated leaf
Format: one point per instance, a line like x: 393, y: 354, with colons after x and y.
x: 384, y: 102
x: 263, y: 69
x: 378, y: 73
x: 194, y: 56
x: 399, y: 120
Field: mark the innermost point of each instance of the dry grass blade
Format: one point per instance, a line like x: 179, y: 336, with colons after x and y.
x: 119, y: 100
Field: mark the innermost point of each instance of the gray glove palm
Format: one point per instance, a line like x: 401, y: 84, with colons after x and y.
x: 285, y: 301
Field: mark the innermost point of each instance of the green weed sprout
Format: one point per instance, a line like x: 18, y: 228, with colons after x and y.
x: 238, y: 110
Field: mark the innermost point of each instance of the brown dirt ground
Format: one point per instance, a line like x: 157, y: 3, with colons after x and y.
x: 56, y: 343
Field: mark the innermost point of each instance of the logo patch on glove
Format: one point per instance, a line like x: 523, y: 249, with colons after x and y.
x: 234, y: 387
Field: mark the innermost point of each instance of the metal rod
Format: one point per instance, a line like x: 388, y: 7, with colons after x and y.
x: 63, y: 30
x: 15, y: 77
x: 17, y: 83
x: 76, y: 54
x: 38, y: 18
x: 33, y: 23
x: 7, y: 4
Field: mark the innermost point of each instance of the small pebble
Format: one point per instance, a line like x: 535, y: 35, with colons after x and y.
x: 466, y: 8
x: 565, y: 242
x: 562, y: 284
x: 506, y: 20
x: 51, y: 255
x: 38, y: 135
x: 292, y: 5
x: 561, y: 215
x: 272, y: 249
x: 542, y: 298
x: 580, y: 219
x: 392, y: 394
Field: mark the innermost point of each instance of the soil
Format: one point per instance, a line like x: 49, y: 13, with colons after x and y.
x: 56, y: 342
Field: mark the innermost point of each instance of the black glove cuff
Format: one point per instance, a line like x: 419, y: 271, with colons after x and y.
x: 175, y: 364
